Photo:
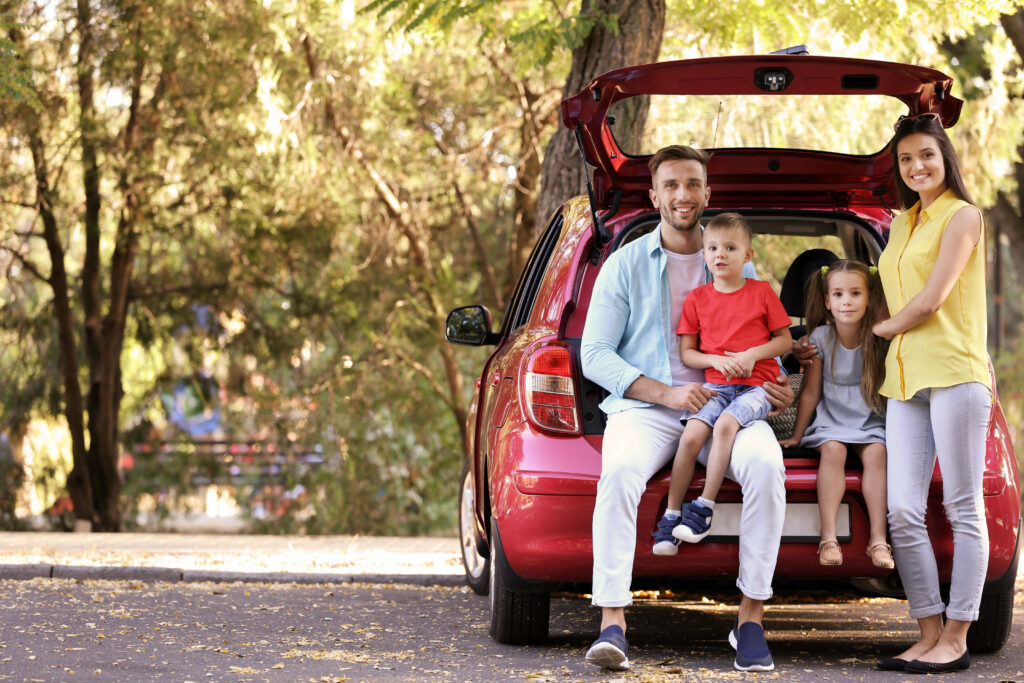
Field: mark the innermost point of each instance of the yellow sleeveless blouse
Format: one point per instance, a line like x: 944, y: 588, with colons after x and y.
x: 950, y: 347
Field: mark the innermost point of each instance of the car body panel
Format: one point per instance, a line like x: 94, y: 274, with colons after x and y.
x: 754, y: 177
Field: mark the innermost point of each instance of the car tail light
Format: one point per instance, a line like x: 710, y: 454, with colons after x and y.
x: 549, y: 392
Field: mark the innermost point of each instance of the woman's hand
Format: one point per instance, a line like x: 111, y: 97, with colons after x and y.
x: 883, y: 329
x: 804, y: 351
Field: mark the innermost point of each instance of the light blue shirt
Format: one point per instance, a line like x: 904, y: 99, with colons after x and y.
x: 628, y: 330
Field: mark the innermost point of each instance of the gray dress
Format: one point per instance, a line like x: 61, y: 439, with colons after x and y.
x: 842, y: 414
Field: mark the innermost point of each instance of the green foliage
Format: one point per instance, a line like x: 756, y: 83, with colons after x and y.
x: 15, y: 78
x: 305, y: 264
x: 531, y: 30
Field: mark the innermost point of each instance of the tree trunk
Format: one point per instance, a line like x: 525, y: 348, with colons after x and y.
x: 638, y: 41
x: 78, y: 484
x: 1011, y: 219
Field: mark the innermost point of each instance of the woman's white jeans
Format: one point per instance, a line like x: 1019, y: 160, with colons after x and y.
x: 639, y: 442
x: 949, y: 423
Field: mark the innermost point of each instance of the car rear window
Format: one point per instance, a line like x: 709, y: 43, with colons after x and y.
x: 847, y: 124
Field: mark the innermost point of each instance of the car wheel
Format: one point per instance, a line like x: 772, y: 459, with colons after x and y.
x: 517, y: 617
x: 990, y: 631
x: 478, y: 567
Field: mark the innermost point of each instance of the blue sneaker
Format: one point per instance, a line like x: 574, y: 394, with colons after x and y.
x: 752, y: 652
x: 695, y: 524
x: 609, y: 650
x: 664, y: 542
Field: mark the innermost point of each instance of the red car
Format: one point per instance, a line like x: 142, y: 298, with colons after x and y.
x: 534, y: 459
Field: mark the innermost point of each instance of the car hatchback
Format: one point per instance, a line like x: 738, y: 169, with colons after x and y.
x: 534, y: 456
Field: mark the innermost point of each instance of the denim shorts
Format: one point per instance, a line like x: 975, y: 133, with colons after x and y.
x: 746, y: 403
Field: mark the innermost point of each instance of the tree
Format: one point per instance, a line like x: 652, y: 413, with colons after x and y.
x: 630, y: 33
x: 110, y: 184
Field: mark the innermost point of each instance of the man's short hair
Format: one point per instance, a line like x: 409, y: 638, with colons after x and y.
x: 731, y: 221
x: 675, y: 153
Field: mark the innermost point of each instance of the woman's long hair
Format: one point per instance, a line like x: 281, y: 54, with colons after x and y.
x: 927, y: 125
x: 872, y: 348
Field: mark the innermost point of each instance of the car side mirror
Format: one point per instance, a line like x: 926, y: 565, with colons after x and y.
x: 470, y: 325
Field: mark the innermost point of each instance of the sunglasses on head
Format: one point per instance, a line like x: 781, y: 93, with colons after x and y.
x: 920, y: 117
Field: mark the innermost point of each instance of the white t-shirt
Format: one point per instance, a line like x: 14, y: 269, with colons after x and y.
x: 685, y: 274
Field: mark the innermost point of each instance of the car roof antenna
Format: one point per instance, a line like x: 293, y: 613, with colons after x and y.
x: 601, y: 234
x: 718, y: 119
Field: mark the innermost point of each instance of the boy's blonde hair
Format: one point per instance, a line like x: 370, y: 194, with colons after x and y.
x: 731, y: 221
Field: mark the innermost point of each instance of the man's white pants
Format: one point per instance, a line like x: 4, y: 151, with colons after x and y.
x: 639, y: 442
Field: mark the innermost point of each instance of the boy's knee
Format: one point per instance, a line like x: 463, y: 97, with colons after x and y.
x: 726, y: 425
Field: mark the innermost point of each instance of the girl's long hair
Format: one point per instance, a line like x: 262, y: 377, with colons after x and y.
x: 872, y: 348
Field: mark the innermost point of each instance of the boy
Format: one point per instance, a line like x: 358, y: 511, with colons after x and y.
x: 733, y: 328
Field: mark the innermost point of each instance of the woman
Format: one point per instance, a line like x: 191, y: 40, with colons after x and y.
x: 937, y: 382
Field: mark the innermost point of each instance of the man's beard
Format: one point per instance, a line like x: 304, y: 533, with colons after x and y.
x: 690, y: 223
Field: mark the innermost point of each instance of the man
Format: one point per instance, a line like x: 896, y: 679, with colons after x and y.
x: 630, y: 348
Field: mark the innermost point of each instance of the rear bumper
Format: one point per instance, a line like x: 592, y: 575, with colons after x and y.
x: 545, y: 520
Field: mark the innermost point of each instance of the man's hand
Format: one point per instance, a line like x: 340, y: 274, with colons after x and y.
x: 779, y: 395
x: 690, y: 397
x: 745, y: 360
x: 804, y: 350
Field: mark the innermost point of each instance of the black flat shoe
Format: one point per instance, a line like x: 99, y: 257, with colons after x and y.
x: 892, y: 664
x: 959, y: 664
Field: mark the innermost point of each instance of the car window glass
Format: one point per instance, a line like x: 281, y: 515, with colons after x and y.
x: 773, y: 254
x: 521, y: 306
x: 847, y: 124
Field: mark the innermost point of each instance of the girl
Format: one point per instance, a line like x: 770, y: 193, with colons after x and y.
x: 841, y: 393
x: 939, y: 388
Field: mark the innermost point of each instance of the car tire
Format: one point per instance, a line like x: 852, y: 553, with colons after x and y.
x: 477, y: 567
x: 517, y: 617
x: 995, y: 616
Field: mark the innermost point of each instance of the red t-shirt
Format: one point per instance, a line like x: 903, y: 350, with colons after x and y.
x: 735, y: 322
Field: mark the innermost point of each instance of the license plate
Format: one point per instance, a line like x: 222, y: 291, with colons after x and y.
x: 802, y: 525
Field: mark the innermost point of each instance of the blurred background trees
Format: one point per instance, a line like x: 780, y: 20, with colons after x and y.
x: 230, y: 232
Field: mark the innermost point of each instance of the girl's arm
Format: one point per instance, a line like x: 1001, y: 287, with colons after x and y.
x: 809, y: 397
x: 958, y: 241
x: 698, y: 360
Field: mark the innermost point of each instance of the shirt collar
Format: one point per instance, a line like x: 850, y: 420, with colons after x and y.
x: 654, y: 239
x: 936, y: 208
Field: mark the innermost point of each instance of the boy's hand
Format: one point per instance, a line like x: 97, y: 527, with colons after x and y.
x: 745, y: 360
x: 730, y: 367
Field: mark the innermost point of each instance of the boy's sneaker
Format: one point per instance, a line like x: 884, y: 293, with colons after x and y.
x: 609, y: 650
x: 664, y: 542
x: 695, y: 524
x: 752, y: 652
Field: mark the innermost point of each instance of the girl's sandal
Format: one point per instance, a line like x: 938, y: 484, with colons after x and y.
x: 881, y: 555
x: 829, y: 553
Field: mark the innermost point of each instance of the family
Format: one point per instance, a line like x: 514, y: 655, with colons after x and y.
x: 684, y: 338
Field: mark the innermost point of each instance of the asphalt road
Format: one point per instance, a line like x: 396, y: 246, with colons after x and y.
x: 67, y: 630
